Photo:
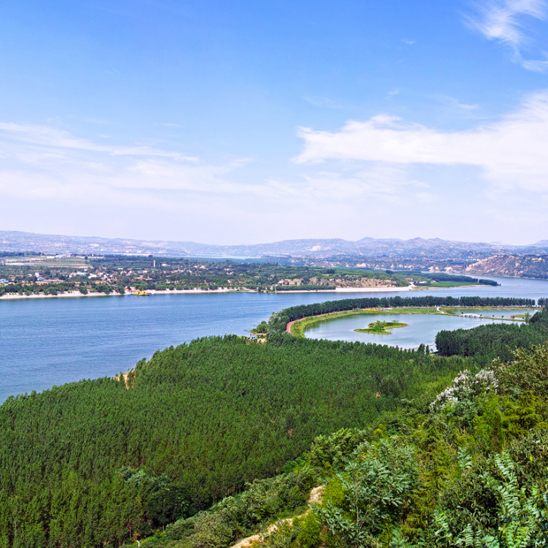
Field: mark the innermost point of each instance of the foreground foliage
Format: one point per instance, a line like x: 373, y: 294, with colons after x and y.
x: 96, y: 463
x: 467, y: 469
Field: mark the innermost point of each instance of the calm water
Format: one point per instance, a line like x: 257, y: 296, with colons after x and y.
x: 421, y: 328
x: 46, y: 342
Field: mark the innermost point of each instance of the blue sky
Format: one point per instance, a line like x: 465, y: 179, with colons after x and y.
x: 254, y: 121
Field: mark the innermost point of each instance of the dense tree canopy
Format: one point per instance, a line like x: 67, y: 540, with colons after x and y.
x: 97, y: 462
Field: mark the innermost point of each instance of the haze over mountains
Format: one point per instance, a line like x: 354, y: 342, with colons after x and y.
x: 12, y: 241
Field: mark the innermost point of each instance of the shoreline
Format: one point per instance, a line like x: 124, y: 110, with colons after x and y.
x: 152, y: 292
x: 389, y: 311
x: 350, y: 290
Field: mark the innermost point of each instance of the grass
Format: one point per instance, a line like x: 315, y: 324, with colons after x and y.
x: 446, y: 285
x: 381, y: 328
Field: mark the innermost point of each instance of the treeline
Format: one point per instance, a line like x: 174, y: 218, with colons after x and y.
x: 28, y: 289
x: 487, y: 342
x: 279, y: 320
x: 99, y: 463
x: 443, y: 277
x: 35, y: 289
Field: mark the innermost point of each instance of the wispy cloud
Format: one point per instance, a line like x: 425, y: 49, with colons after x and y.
x: 54, y: 138
x: 511, y: 151
x: 505, y: 21
x: 324, y: 102
x: 455, y: 103
x: 46, y: 162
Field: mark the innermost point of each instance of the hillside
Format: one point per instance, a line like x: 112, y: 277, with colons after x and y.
x: 97, y: 463
x: 465, y: 468
x: 518, y: 266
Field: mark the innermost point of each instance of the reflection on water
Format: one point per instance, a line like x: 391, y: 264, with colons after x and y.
x: 422, y: 328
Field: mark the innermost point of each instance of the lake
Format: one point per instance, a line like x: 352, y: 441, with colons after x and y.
x: 46, y: 342
x: 421, y: 328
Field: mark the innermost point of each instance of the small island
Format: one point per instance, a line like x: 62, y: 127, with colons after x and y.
x: 381, y: 328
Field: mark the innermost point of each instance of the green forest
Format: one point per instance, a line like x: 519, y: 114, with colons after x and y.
x: 209, y: 442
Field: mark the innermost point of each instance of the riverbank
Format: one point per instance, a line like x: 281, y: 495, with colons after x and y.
x: 151, y: 292
x: 77, y: 294
x: 352, y: 290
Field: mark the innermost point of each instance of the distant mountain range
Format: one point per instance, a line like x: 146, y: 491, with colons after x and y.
x: 11, y: 241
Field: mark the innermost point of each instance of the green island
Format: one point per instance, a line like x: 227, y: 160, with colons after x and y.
x: 381, y: 328
x: 293, y: 443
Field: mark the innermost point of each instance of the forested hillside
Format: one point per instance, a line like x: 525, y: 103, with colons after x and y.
x: 464, y: 469
x: 95, y: 463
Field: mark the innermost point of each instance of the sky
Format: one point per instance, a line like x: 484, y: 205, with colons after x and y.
x: 255, y: 121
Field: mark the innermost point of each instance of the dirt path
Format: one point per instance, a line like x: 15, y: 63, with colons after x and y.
x: 288, y: 326
x: 255, y: 540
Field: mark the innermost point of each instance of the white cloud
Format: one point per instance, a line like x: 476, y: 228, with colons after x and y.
x: 511, y: 151
x: 455, y: 103
x: 503, y: 20
x: 38, y: 162
x: 53, y: 138
x: 536, y: 66
x: 324, y: 102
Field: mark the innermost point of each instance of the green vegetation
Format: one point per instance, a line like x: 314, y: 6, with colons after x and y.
x: 469, y: 469
x: 381, y: 328
x: 51, y: 276
x: 300, y: 326
x: 465, y: 468
x: 279, y: 320
x: 96, y: 462
x: 487, y: 342
x: 210, y: 442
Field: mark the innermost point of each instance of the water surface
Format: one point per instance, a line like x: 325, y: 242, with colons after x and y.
x: 421, y: 328
x: 46, y: 342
